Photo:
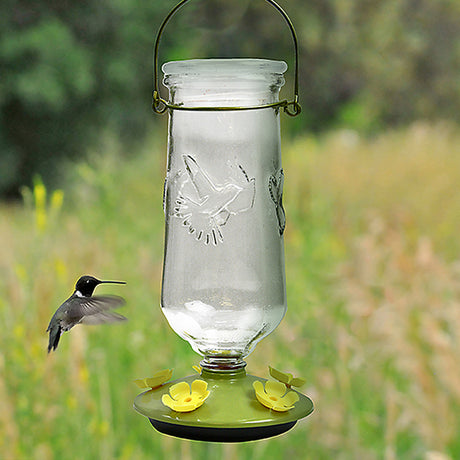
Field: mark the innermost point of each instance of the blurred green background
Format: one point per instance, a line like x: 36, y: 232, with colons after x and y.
x: 372, y: 199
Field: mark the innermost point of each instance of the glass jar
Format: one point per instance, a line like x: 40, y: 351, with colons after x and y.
x: 223, y: 286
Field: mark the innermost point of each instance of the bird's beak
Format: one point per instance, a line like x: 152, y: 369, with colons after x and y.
x: 112, y: 282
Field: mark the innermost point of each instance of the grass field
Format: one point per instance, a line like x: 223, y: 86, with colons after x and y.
x: 373, y: 279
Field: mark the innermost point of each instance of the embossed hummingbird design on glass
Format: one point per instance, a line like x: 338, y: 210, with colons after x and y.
x: 205, y: 205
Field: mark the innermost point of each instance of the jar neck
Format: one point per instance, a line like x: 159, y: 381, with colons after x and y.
x: 189, y: 98
x: 222, y: 365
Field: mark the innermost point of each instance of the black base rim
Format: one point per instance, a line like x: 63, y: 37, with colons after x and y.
x: 196, y: 433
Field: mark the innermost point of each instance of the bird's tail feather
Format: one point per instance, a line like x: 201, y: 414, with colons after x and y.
x: 55, y: 335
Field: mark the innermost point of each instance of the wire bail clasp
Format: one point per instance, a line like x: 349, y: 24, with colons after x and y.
x: 160, y: 105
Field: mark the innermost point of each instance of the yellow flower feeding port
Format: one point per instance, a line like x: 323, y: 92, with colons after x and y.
x: 288, y: 379
x: 223, y: 286
x: 156, y: 380
x: 182, y: 398
x: 275, y: 396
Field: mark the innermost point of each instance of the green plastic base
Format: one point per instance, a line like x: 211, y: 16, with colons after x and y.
x: 231, y: 413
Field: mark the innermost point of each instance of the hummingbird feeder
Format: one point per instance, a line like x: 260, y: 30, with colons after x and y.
x: 223, y: 287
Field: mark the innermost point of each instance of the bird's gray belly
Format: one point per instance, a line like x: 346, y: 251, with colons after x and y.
x: 68, y: 324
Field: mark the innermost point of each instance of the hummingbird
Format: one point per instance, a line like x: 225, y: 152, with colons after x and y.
x: 82, y: 307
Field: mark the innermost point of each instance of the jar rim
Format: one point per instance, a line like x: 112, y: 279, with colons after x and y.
x: 230, y: 66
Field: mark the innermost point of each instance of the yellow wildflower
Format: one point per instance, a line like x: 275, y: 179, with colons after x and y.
x: 40, y: 205
x: 39, y: 195
x: 156, y: 380
x: 274, y: 395
x: 57, y: 198
x: 183, y: 399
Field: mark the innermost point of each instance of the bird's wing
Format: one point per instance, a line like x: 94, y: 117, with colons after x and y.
x: 103, y: 317
x: 198, y: 177
x: 88, y: 306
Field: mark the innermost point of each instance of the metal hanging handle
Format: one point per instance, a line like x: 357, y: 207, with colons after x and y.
x: 160, y: 105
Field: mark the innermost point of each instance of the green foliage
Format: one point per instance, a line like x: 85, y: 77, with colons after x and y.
x: 51, y: 74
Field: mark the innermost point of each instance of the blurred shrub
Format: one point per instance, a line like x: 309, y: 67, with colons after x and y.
x: 70, y: 70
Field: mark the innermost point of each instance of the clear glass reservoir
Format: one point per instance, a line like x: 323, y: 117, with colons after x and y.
x: 223, y: 285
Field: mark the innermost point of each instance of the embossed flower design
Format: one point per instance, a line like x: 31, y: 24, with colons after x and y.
x: 275, y: 395
x: 275, y: 187
x: 156, y: 380
x: 182, y: 398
